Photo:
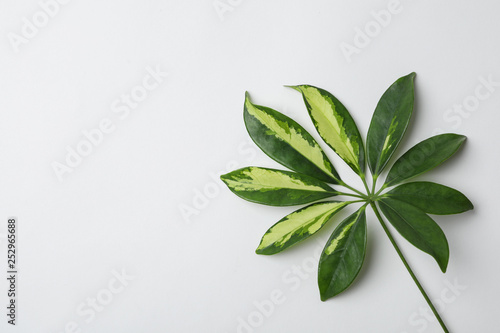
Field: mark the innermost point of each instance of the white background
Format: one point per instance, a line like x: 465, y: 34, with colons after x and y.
x: 120, y: 208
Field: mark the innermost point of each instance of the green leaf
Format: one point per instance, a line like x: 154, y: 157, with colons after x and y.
x: 389, y: 122
x: 424, y: 156
x: 297, y: 226
x: 275, y: 187
x: 432, y: 198
x: 335, y: 125
x: 418, y: 228
x: 288, y: 143
x: 343, y: 255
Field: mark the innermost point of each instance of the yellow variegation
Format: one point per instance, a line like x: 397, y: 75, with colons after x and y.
x: 297, y: 226
x: 259, y: 179
x: 287, y: 142
x: 335, y: 242
x: 276, y: 187
x: 335, y: 125
x: 389, y: 140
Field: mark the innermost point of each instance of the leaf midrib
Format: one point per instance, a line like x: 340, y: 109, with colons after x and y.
x: 377, y: 166
x: 329, y: 102
x: 318, y: 217
x: 287, y: 188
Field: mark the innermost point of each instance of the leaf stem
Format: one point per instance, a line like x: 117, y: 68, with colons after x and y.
x: 429, y: 302
x: 352, y: 195
x: 356, y: 201
x: 365, y: 184
x: 381, y: 189
x: 374, y: 180
x: 341, y: 183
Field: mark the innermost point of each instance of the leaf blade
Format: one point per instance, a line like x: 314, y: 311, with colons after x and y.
x: 335, y: 125
x: 343, y: 255
x: 424, y: 156
x: 389, y: 122
x: 432, y: 198
x: 418, y: 229
x: 297, y: 226
x: 287, y: 142
x: 276, y: 187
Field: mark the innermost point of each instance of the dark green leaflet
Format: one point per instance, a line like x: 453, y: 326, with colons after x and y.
x: 389, y: 122
x: 418, y: 228
x: 424, y: 156
x: 432, y: 198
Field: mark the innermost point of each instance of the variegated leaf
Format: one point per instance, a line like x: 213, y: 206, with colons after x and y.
x: 288, y: 143
x: 418, y: 228
x: 275, y: 187
x: 432, y: 198
x: 343, y: 255
x: 389, y: 122
x: 335, y: 125
x: 424, y: 156
x: 297, y: 226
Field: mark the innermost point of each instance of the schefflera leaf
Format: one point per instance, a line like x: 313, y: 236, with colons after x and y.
x: 424, y: 156
x: 431, y: 198
x: 298, y: 226
x: 275, y: 187
x: 417, y: 228
x: 343, y: 255
x: 389, y: 122
x: 335, y: 125
x: 287, y: 142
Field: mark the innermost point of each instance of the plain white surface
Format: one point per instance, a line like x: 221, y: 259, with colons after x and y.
x: 119, y: 210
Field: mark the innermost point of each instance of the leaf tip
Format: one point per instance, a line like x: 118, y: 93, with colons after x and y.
x: 298, y: 88
x: 248, y: 102
x: 460, y: 139
x: 224, y: 177
x: 323, y: 296
x: 443, y: 264
x: 264, y: 251
x: 470, y: 205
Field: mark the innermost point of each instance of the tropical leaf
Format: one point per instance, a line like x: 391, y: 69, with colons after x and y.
x: 405, y: 206
x: 343, y: 255
x: 335, y: 125
x: 389, y: 122
x: 288, y: 143
x: 298, y: 226
x: 275, y: 187
x: 424, y: 156
x: 418, y: 228
x: 431, y: 198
